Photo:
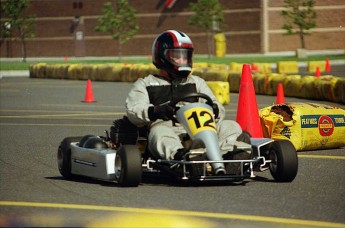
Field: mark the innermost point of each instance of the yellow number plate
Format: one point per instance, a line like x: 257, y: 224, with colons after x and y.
x: 199, y: 119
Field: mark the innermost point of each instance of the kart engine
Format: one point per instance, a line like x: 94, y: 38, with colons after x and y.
x: 123, y: 132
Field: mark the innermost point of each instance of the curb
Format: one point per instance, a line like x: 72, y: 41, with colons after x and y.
x: 14, y: 73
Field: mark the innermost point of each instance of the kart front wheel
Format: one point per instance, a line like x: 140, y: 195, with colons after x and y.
x: 284, y: 161
x: 64, y: 156
x: 128, y: 170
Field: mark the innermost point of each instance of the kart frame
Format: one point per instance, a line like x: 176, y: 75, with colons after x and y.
x: 246, y: 166
x: 120, y: 160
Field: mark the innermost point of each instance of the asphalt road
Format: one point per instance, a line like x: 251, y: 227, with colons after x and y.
x: 337, y: 69
x: 36, y: 114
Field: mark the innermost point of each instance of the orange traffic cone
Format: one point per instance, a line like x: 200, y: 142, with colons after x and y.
x: 247, y: 108
x: 280, y: 94
x: 255, y: 68
x: 317, y: 73
x: 89, y: 93
x: 328, y: 66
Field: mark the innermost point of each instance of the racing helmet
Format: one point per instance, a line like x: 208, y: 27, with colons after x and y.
x: 172, y: 51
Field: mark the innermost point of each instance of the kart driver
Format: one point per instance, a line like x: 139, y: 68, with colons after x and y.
x: 147, y: 101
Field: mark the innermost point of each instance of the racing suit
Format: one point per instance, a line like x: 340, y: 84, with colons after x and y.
x: 164, y: 136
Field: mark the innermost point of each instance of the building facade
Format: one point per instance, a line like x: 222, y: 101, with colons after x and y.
x: 67, y: 28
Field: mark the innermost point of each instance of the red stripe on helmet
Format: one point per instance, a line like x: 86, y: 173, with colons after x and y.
x: 176, y: 43
x: 179, y: 43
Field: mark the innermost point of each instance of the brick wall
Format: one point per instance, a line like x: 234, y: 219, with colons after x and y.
x: 55, y: 30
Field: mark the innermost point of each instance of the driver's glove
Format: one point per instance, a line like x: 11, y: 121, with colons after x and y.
x: 163, y: 111
x: 215, y: 110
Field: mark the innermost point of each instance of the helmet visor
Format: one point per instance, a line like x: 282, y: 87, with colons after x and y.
x: 179, y: 57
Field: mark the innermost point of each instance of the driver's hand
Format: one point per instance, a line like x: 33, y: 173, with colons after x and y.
x: 164, y: 112
x: 215, y: 110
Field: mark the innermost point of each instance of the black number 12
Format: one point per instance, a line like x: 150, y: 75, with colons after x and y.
x: 208, y: 123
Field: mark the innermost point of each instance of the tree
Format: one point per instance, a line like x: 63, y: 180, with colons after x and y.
x: 18, y: 25
x: 209, y: 17
x: 299, y: 13
x: 119, y: 21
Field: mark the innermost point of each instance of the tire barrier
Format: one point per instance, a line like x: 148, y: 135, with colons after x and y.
x: 327, y: 87
x: 96, y: 72
x: 313, y: 65
x: 236, y: 67
x: 308, y: 126
x: 261, y: 68
x: 287, y: 67
x: 220, y: 90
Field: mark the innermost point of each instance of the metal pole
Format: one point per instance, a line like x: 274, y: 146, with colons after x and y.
x: 264, y: 27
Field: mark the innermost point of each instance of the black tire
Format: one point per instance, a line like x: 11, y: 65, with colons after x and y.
x: 128, y: 169
x: 64, y: 156
x: 84, y: 139
x: 284, y: 165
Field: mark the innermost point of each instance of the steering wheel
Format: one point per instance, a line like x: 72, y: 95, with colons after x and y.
x: 186, y: 96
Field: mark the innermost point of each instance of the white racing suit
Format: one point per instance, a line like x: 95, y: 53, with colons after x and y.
x: 164, y: 137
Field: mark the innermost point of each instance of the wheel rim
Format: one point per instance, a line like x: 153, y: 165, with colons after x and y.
x: 274, y: 161
x: 118, y: 167
x: 60, y: 158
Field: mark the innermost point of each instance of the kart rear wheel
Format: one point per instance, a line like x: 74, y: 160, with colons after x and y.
x: 64, y: 156
x: 128, y: 170
x: 284, y: 161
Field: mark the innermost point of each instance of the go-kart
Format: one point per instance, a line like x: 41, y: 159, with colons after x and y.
x: 123, y: 156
